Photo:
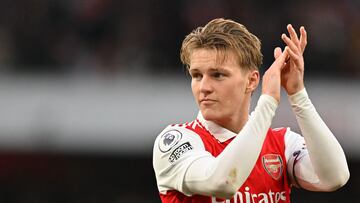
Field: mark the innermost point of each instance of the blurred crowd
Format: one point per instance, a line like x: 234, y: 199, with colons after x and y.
x: 109, y: 37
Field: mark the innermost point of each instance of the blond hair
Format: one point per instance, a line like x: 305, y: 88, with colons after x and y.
x: 224, y: 35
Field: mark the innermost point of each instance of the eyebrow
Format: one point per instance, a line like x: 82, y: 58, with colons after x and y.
x: 210, y: 69
x: 218, y: 69
x: 193, y: 70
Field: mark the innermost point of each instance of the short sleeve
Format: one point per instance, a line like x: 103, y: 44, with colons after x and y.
x: 175, y: 148
x: 295, y: 150
x: 294, y: 145
x: 299, y: 163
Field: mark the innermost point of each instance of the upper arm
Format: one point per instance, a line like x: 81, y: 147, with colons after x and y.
x: 174, y: 150
x: 299, y: 166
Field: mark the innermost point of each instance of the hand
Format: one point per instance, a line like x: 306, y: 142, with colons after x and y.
x: 292, y: 75
x: 272, y: 78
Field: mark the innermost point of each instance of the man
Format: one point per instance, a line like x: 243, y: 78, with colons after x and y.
x: 225, y: 155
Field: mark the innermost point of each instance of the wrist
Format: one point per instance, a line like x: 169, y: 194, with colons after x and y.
x: 295, y: 89
x: 299, y: 97
x: 266, y: 98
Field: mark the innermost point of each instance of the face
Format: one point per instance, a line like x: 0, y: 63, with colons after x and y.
x: 222, y: 91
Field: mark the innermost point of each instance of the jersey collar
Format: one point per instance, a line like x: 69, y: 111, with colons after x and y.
x: 220, y: 133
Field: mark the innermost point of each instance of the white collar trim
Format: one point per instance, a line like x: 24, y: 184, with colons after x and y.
x: 220, y: 133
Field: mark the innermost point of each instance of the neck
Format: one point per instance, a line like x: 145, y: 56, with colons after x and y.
x: 236, y: 124
x: 237, y: 121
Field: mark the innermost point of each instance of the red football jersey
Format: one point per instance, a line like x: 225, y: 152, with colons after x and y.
x: 267, y: 182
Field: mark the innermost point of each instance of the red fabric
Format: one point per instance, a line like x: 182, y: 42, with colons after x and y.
x: 260, y: 185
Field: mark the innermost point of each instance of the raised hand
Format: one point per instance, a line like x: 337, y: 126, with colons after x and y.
x: 292, y: 75
x: 272, y: 78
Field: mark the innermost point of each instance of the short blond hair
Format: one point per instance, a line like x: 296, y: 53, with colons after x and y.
x: 224, y: 35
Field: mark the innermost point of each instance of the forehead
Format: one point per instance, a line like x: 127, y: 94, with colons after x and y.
x: 212, y: 57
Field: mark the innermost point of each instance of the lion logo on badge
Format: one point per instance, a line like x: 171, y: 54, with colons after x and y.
x: 169, y: 139
x: 273, y: 165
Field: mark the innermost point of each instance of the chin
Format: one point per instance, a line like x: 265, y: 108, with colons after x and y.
x: 211, y: 115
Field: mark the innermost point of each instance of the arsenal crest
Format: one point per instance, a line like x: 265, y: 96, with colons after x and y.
x: 273, y: 165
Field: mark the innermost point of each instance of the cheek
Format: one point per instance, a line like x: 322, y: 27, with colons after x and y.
x: 235, y: 93
x: 241, y: 87
x: 232, y: 97
x: 194, y: 89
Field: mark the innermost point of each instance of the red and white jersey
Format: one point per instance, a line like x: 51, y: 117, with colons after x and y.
x: 179, y: 145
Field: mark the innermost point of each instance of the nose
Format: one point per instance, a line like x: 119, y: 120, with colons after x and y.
x: 206, y: 85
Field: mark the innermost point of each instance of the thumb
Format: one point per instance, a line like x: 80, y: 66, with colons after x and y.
x: 277, y: 52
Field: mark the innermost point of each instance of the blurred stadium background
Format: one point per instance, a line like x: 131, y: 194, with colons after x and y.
x: 86, y: 86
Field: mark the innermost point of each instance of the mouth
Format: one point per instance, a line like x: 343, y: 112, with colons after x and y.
x: 207, y: 101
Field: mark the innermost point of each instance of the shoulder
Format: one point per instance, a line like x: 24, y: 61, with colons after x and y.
x: 175, y: 143
x: 175, y: 148
x: 174, y: 134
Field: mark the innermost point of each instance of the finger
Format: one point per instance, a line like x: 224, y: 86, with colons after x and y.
x: 280, y: 61
x: 293, y: 35
x: 303, y: 38
x: 293, y: 56
x: 290, y: 43
x: 277, y: 52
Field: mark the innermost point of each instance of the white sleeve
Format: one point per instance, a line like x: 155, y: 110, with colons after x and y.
x: 325, y: 159
x: 299, y: 166
x: 174, y: 150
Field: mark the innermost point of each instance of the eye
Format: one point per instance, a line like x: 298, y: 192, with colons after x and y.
x: 218, y: 75
x: 196, y: 76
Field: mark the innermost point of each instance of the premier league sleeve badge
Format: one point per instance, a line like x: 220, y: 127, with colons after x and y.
x: 169, y: 139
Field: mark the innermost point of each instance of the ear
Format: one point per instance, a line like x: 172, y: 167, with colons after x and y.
x: 253, y: 81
